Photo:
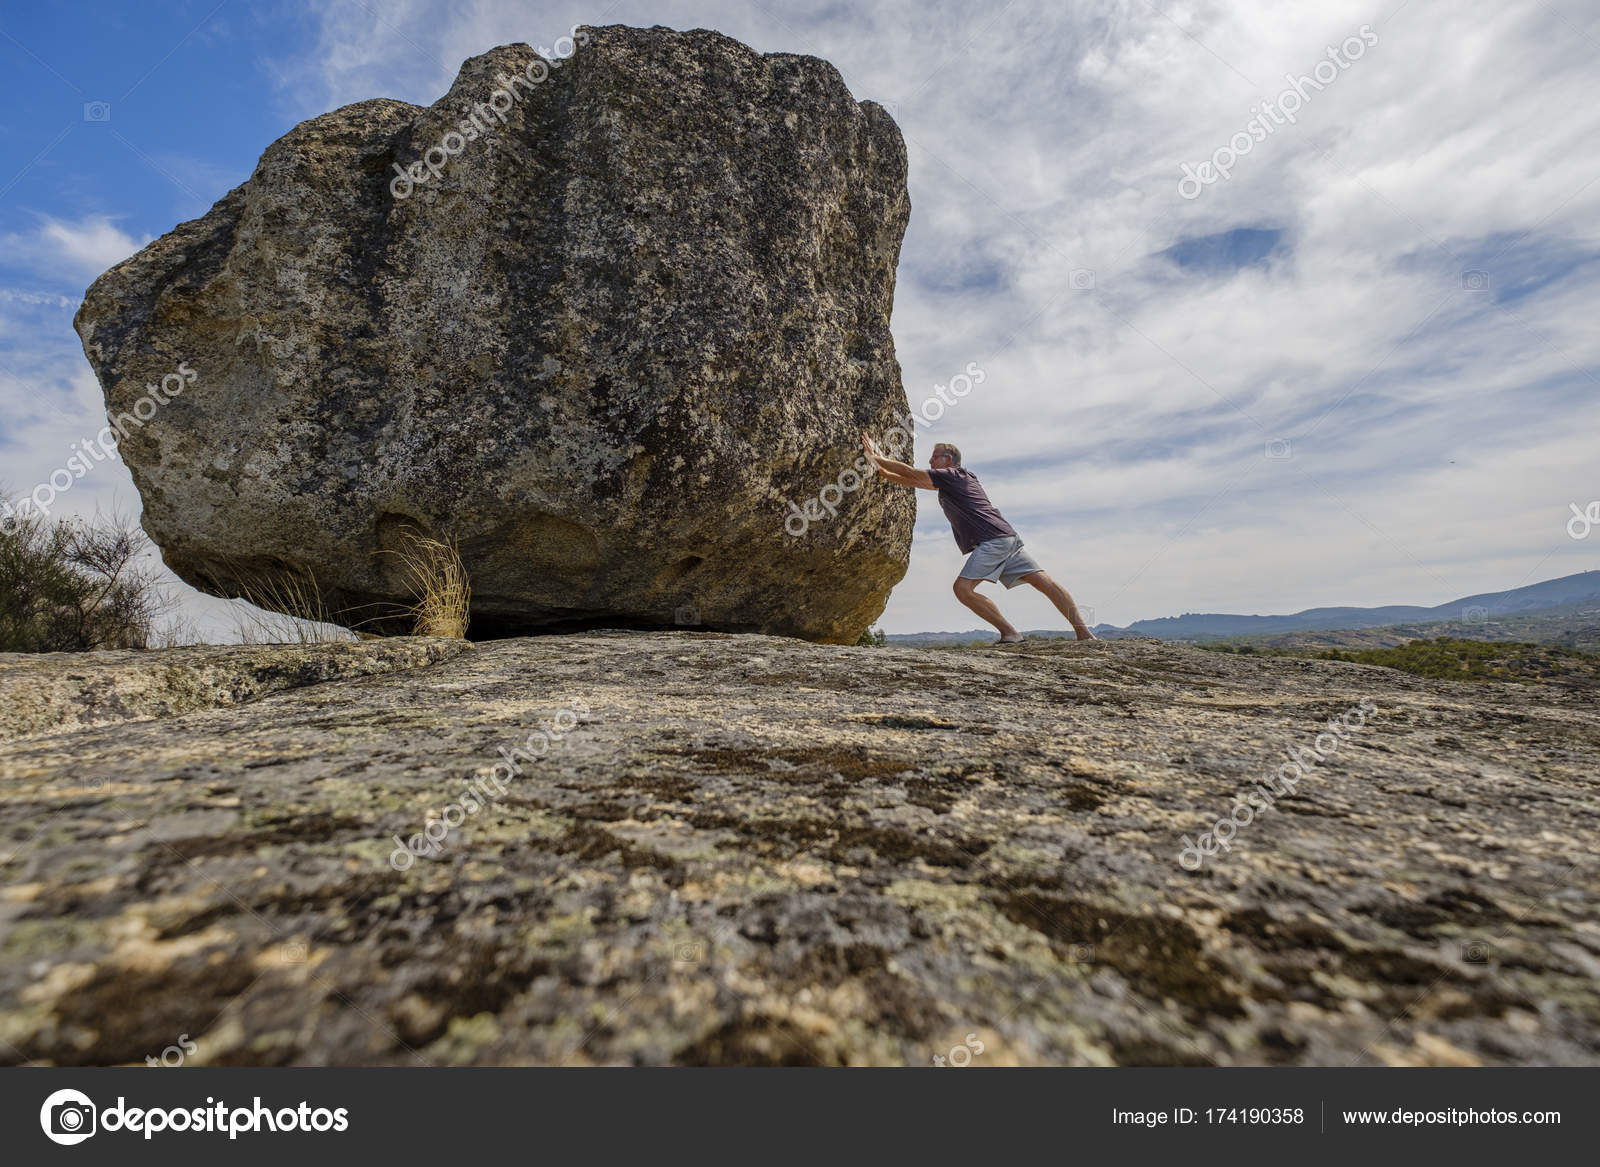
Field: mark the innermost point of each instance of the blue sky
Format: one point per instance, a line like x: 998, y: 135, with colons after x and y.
x: 1290, y: 390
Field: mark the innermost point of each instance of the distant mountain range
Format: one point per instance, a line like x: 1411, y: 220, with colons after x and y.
x: 1572, y: 595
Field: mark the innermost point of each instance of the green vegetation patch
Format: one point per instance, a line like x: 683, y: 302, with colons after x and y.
x: 1448, y: 658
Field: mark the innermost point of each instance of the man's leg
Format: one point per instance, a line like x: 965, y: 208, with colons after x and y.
x: 967, y: 593
x: 1062, y: 600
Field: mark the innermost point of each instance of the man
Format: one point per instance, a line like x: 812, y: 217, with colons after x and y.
x: 993, y: 546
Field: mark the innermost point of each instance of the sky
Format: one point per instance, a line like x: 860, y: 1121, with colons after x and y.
x: 1360, y: 367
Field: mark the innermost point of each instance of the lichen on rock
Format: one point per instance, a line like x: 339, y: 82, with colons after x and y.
x: 752, y: 850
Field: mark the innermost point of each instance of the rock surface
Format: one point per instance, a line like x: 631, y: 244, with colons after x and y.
x: 49, y: 693
x: 754, y: 850
x: 603, y: 344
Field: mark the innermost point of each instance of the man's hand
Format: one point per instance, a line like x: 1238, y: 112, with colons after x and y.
x: 880, y: 461
x: 895, y: 471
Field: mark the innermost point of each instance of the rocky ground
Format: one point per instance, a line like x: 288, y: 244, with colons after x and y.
x: 756, y: 850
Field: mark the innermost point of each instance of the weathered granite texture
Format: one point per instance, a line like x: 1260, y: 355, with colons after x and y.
x: 758, y: 850
x: 50, y: 693
x: 602, y: 343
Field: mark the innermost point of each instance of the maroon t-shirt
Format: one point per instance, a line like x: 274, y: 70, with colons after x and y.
x: 972, y: 516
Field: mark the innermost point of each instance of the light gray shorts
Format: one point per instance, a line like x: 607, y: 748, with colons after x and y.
x: 1000, y: 559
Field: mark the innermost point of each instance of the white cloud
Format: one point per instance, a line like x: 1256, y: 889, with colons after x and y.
x: 59, y: 247
x: 1438, y: 433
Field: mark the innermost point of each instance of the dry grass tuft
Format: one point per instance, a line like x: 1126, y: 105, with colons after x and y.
x: 437, y: 578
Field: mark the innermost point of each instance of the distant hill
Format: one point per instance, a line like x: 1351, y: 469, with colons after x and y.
x: 1553, y: 593
x: 1574, y: 626
x: 1555, y: 610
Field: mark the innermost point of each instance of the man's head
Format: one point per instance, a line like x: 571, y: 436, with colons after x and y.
x: 944, y: 456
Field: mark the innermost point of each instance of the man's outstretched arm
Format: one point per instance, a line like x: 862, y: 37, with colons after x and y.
x: 896, y: 471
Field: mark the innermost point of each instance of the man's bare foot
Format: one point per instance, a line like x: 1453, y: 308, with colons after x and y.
x: 1017, y: 639
x: 1087, y: 635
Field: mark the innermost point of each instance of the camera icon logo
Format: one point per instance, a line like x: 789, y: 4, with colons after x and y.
x: 68, y: 1117
x: 1578, y: 526
x: 1279, y: 450
x: 1475, y: 281
x: 1081, y: 279
x: 97, y: 111
x: 1475, y: 615
x: 1475, y: 952
x: 1081, y: 954
x: 689, y: 952
x: 686, y: 615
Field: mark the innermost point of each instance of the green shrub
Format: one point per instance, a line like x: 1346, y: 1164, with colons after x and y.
x: 71, y: 586
x: 1450, y: 658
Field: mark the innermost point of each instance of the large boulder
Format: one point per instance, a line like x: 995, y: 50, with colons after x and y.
x: 601, y: 320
